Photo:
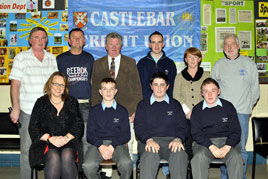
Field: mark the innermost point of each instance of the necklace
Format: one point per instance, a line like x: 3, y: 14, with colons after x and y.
x: 55, y: 103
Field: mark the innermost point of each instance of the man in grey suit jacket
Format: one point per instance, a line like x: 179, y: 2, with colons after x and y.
x: 125, y: 73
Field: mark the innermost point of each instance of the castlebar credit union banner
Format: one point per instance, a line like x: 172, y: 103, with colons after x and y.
x: 135, y: 20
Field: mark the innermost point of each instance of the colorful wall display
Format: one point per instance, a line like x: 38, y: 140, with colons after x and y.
x: 15, y: 28
x: 261, y: 24
x: 218, y: 19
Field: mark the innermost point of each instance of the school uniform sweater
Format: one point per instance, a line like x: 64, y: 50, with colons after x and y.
x: 160, y: 119
x: 108, y: 124
x: 215, y: 122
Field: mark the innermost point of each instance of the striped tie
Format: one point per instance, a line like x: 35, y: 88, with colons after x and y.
x: 112, y: 69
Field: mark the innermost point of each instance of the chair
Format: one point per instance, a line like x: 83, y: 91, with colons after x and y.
x: 260, y: 139
x: 111, y: 163
x: 162, y: 161
x: 215, y: 162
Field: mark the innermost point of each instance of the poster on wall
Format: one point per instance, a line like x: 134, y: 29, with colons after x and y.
x: 261, y: 24
x: 178, y: 21
x: 221, y: 16
x: 262, y: 47
x: 221, y: 33
x: 232, y: 16
x: 17, y: 18
x: 245, y: 40
x: 207, y: 14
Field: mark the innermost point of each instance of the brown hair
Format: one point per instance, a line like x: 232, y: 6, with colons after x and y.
x: 108, y: 80
x: 192, y: 51
x: 35, y: 29
x: 48, y: 84
x: 210, y: 81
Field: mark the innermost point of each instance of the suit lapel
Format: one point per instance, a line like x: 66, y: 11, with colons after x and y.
x: 105, y: 66
x: 122, y: 67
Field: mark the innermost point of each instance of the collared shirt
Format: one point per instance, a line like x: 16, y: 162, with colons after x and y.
x: 155, y: 59
x: 104, y: 106
x: 116, y: 62
x: 152, y: 99
x: 32, y: 74
x: 205, y: 105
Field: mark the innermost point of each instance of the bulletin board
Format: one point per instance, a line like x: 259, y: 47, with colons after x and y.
x: 261, y: 30
x: 218, y: 19
x: 16, y: 24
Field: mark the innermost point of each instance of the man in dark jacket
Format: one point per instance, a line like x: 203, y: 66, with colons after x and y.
x: 156, y: 61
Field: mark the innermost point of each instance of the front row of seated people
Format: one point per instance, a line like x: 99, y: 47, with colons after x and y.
x: 56, y: 128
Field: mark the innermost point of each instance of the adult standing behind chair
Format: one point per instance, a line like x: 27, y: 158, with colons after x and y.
x: 126, y: 75
x: 29, y: 73
x: 237, y: 76
x: 216, y: 132
x: 77, y: 66
x: 161, y: 126
x: 156, y: 61
x: 187, y: 87
x: 56, y: 128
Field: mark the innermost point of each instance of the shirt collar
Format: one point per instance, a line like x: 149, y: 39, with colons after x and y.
x: 205, y: 105
x: 104, y: 106
x: 229, y: 58
x: 152, y: 99
x: 115, y: 58
x: 155, y: 59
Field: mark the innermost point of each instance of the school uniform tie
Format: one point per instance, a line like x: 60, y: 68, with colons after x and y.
x: 112, y: 69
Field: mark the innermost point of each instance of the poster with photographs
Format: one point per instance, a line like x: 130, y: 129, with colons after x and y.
x: 221, y: 33
x: 13, y: 26
x: 262, y: 48
x: 58, y: 38
x: 245, y: 40
x: 2, y: 33
x: 13, y: 39
x: 221, y: 16
x: 204, y: 42
x: 3, y: 75
x: 32, y: 6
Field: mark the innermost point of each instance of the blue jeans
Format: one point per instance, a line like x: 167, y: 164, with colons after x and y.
x: 25, y: 143
x: 244, y: 121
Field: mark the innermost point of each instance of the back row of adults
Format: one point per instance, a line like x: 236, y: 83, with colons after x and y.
x: 236, y: 74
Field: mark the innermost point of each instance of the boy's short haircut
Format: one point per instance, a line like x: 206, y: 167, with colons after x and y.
x: 160, y: 75
x: 108, y: 80
x: 209, y: 81
x: 76, y: 30
x: 156, y: 33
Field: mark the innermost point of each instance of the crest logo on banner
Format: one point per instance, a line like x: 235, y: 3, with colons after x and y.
x: 80, y: 19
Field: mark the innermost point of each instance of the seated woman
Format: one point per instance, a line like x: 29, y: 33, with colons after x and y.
x: 56, y: 129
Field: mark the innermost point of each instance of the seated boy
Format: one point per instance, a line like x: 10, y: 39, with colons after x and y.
x: 161, y: 126
x: 216, y: 131
x: 108, y: 131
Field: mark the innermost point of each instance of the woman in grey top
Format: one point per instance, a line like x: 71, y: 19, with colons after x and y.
x: 187, y: 87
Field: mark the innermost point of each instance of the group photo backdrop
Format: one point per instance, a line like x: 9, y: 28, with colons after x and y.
x: 178, y: 21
